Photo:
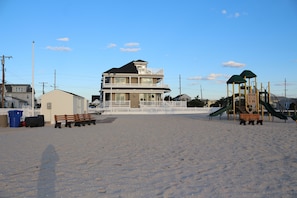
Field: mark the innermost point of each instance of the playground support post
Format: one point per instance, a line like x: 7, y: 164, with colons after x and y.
x: 269, y: 100
x: 227, y: 97
x: 233, y: 100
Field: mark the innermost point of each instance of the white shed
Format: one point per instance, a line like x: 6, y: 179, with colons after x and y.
x: 58, y: 102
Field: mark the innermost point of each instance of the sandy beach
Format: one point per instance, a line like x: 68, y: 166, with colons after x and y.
x: 151, y: 156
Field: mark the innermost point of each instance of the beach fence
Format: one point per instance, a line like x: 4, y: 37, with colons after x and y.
x: 149, y: 107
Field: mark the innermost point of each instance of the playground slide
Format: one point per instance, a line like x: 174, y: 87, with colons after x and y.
x: 221, y: 110
x: 272, y: 111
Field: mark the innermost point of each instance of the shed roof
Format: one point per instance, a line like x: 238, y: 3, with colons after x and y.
x: 237, y: 79
x: 59, y: 90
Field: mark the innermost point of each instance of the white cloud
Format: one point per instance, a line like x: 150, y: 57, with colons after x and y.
x: 233, y: 64
x: 224, y: 11
x: 195, y: 78
x: 65, y: 39
x: 211, y: 76
x: 132, y: 44
x: 111, y: 45
x: 58, y: 48
x: 233, y: 15
x: 130, y: 49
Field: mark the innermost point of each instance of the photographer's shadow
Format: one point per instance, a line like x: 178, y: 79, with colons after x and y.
x: 47, y: 173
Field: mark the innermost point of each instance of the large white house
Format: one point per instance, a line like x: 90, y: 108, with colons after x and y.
x: 132, y: 85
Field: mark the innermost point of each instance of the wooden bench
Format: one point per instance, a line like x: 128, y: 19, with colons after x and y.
x: 59, y: 119
x: 251, y: 118
x: 70, y: 119
x: 81, y: 119
x: 76, y: 119
x: 89, y: 119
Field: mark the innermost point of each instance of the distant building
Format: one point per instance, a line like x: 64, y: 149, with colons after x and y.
x: 182, y: 97
x: 132, y: 84
x: 95, y: 97
x: 17, y: 95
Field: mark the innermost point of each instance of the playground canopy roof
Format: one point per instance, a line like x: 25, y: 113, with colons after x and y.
x: 248, y: 74
x: 237, y: 79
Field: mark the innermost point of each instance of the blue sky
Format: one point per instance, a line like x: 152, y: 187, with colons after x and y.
x: 202, y: 41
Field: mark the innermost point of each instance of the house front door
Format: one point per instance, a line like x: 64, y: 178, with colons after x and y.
x: 134, y: 100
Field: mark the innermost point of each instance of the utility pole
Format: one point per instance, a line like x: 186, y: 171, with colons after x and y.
x: 43, y: 87
x: 201, y: 92
x: 33, y: 90
x: 55, y: 86
x: 180, y: 87
x: 3, y: 77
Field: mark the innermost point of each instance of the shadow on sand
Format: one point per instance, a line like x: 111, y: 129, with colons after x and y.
x: 47, y: 174
x: 106, y: 120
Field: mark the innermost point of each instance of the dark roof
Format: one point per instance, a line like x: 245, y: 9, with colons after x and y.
x: 237, y: 79
x: 248, y: 74
x: 8, y: 87
x: 128, y: 68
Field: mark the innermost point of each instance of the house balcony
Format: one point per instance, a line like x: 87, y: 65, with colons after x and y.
x: 134, y: 86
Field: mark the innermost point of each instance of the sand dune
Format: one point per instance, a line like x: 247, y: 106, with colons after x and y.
x: 150, y: 156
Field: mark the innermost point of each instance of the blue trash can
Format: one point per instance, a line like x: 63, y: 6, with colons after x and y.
x: 15, y: 118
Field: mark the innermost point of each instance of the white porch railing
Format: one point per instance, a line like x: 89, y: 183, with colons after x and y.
x: 134, y: 85
x: 149, y: 104
x: 143, y: 104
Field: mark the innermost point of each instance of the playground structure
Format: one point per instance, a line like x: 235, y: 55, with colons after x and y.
x: 249, y: 101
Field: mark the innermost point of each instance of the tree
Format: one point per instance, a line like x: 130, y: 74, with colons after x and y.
x: 168, y: 98
x: 196, y: 102
x: 219, y: 103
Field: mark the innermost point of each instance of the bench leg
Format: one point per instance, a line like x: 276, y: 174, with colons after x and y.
x: 242, y: 122
x: 68, y: 124
x: 77, y: 124
x: 58, y: 125
x: 251, y: 122
x: 260, y: 122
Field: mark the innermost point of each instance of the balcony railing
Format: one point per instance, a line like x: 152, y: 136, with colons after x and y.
x: 134, y: 85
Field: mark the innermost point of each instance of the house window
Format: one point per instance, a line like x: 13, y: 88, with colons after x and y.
x: 141, y: 69
x: 107, y: 79
x: 147, y: 97
x: 120, y: 80
x: 147, y: 81
x: 119, y: 97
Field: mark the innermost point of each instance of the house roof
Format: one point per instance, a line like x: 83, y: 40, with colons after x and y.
x: 128, y: 68
x: 8, y: 87
x: 64, y: 92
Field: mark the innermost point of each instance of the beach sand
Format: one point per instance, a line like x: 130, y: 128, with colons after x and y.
x: 151, y: 156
